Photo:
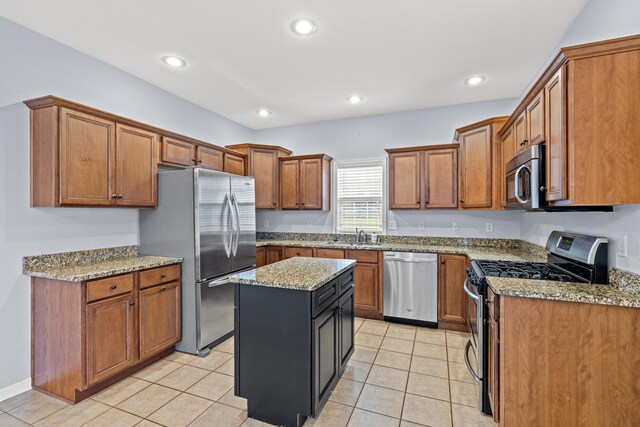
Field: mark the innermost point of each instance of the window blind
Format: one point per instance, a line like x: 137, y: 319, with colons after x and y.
x: 360, y: 190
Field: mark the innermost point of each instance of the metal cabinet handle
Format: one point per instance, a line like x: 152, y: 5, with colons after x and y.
x: 162, y: 275
x: 162, y: 288
x: 114, y: 196
x: 114, y: 286
x: 466, y: 361
x: 132, y: 302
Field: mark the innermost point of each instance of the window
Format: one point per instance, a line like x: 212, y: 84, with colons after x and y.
x: 359, y: 196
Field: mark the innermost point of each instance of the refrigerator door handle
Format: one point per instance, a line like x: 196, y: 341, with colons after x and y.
x: 229, y: 237
x: 234, y: 202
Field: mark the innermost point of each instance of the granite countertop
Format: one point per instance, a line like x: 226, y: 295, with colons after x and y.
x: 563, y: 291
x: 91, y: 264
x: 473, y: 252
x: 298, y: 273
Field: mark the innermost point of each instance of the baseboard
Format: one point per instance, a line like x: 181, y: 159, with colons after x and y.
x: 15, y: 389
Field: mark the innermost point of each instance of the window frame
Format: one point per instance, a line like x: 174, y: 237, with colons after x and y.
x: 372, y: 161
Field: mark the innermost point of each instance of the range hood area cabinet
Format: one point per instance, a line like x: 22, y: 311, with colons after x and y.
x: 423, y: 178
x: 262, y: 164
x: 83, y: 157
x: 305, y: 182
x: 587, y: 104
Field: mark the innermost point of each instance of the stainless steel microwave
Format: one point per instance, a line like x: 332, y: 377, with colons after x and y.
x: 525, y: 180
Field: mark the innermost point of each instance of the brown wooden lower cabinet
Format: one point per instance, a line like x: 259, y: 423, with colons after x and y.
x: 273, y: 254
x: 261, y: 254
x: 293, y: 252
x: 452, y: 300
x: 563, y: 363
x: 86, y: 336
x: 367, y: 279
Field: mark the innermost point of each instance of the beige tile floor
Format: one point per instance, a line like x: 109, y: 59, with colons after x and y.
x: 398, y: 376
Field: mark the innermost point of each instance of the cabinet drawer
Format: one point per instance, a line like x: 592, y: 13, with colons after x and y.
x: 159, y: 275
x: 111, y: 286
x: 346, y: 280
x: 291, y: 252
x: 323, y: 297
x: 363, y: 256
x: 329, y: 253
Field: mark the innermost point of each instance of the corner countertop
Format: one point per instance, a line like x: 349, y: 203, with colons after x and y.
x: 473, y: 252
x: 298, y: 273
x: 81, y: 273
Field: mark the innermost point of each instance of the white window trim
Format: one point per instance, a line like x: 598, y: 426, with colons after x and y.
x: 334, y: 187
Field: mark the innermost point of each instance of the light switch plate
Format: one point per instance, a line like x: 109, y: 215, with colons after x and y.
x: 393, y: 225
x: 623, y: 242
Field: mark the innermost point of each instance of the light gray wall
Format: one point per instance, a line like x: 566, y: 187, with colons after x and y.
x: 32, y: 66
x: 367, y: 137
x: 599, y: 20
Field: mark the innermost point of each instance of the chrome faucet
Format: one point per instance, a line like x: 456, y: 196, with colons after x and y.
x: 361, y: 236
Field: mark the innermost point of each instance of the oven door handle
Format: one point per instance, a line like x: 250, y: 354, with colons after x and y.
x: 466, y: 360
x: 468, y: 291
x: 516, y: 184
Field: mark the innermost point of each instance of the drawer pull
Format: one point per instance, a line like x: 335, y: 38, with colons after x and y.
x: 114, y: 286
x: 162, y: 288
x: 162, y: 275
x: 132, y: 302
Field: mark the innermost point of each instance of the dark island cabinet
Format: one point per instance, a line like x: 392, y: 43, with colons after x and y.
x: 291, y: 346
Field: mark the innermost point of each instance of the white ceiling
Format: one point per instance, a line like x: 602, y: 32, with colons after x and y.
x: 241, y: 54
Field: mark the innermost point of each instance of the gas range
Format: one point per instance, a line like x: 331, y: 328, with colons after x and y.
x: 524, y: 270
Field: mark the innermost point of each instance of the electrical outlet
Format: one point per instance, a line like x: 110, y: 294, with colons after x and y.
x: 393, y: 225
x: 309, y: 224
x: 622, y: 245
x: 421, y: 225
x: 455, y: 226
x: 488, y: 227
x: 266, y: 223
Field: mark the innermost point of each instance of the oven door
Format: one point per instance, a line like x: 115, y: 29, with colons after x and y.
x: 473, y: 354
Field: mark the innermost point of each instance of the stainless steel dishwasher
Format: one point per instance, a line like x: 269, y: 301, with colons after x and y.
x: 411, y: 287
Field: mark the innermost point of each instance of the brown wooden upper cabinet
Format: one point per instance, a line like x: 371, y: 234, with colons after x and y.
x: 234, y: 164
x: 82, y: 159
x: 508, y: 145
x: 479, y: 167
x: 581, y: 108
x: 262, y: 164
x: 209, y: 158
x: 177, y: 152
x: 305, y: 182
x: 423, y: 177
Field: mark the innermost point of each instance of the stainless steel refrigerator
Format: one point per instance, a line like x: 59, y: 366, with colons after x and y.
x: 209, y: 219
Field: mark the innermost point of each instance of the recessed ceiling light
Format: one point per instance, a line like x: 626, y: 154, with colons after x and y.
x: 474, y: 80
x: 263, y: 112
x: 303, y: 26
x: 174, y: 61
x: 355, y: 99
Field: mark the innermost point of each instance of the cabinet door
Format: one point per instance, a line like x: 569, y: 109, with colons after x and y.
x: 508, y: 151
x: 452, y: 300
x: 159, y: 318
x: 311, y: 184
x: 404, y: 180
x: 366, y: 293
x: 178, y: 152
x: 289, y: 188
x: 520, y: 132
x: 261, y: 257
x: 87, y: 159
x: 209, y: 158
x: 233, y: 164
x: 263, y: 165
x: 441, y: 178
x: 493, y: 368
x: 476, y: 169
x: 555, y: 135
x: 273, y: 254
x: 535, y: 120
x: 346, y: 327
x: 110, y: 337
x: 136, y: 167
x: 325, y: 352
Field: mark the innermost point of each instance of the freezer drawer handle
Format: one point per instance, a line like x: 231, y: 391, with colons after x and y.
x: 466, y: 360
x: 219, y: 282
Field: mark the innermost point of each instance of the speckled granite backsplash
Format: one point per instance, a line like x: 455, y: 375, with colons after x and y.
x: 91, y: 256
x: 418, y: 240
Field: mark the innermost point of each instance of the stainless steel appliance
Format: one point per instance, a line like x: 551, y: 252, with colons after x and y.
x: 570, y: 257
x: 525, y: 180
x: 209, y: 219
x: 411, y: 287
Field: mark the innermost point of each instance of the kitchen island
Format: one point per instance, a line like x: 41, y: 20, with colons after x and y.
x: 294, y: 334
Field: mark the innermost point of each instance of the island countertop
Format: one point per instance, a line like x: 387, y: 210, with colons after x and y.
x: 298, y: 273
